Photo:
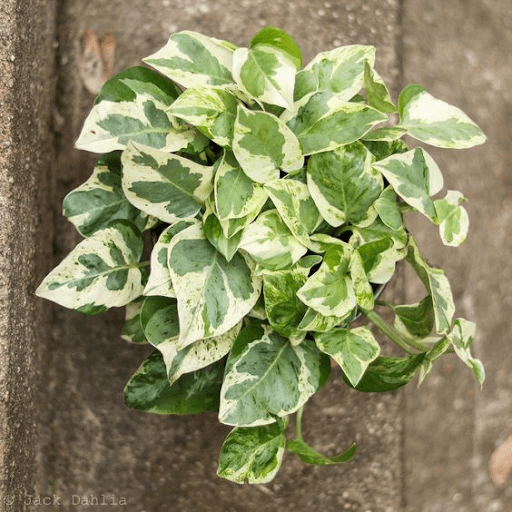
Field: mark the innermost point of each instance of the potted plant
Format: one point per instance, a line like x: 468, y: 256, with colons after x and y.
x: 273, y: 199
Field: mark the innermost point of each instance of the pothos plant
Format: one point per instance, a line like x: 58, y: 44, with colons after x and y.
x: 274, y: 197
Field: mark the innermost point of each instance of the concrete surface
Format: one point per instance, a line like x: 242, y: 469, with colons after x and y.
x: 65, y: 433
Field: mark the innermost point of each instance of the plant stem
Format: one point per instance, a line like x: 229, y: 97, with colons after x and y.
x: 298, y: 424
x: 143, y: 264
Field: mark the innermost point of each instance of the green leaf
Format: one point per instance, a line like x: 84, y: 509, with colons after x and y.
x: 253, y: 455
x: 100, y: 200
x: 376, y: 90
x: 148, y: 389
x: 276, y: 37
x: 381, y: 149
x: 192, y: 59
x: 340, y: 71
x: 324, y: 121
x: 316, y: 322
x: 462, y: 337
x: 310, y: 456
x: 352, y: 349
x: 386, y: 134
x: 101, y: 271
x: 213, y: 295
x: 388, y: 373
x: 343, y: 184
x: 167, y: 186
x: 453, y: 218
x: 431, y: 356
x: 435, y: 122
x: 263, y: 145
x: 415, y: 177
x: 267, y: 378
x: 132, y: 330
x: 388, y: 210
x: 330, y: 290
x: 270, y: 243
x: 266, y: 73
x: 211, y: 109
x: 415, y: 320
x: 159, y: 282
x: 437, y: 285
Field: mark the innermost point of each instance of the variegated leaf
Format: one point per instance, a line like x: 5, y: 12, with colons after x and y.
x: 330, y: 290
x: 376, y: 90
x: 362, y: 288
x: 437, y: 285
x: 253, y: 455
x: 325, y: 121
x: 210, y: 109
x: 353, y: 349
x: 386, y: 134
x: 313, y: 321
x: 381, y: 149
x: 213, y: 295
x: 268, y: 378
x: 270, y: 243
x: 159, y: 282
x: 132, y: 330
x: 101, y: 272
x: 100, y: 200
x: 453, y: 218
x: 415, y: 177
x: 279, y: 39
x: 193, y: 59
x: 388, y: 210
x: 431, y: 356
x: 296, y: 207
x: 436, y: 122
x: 266, y: 73
x: 343, y: 184
x: 340, y: 71
x: 415, y: 320
x: 263, y: 145
x: 236, y: 195
x: 167, y: 186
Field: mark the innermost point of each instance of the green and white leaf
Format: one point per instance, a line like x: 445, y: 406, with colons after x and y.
x: 436, y: 122
x: 330, y: 290
x: 263, y: 145
x: 159, y: 282
x: 388, y: 210
x: 164, y: 185
x: 266, y: 73
x: 415, y: 320
x: 362, y: 288
x: 270, y: 243
x: 340, y: 71
x: 324, y: 121
x: 211, y: 109
x: 253, y: 455
x: 352, y: 349
x: 132, y: 329
x: 320, y: 242
x: 100, y: 200
x: 437, y: 285
x: 101, y: 271
x: 313, y: 321
x: 213, y: 295
x: 193, y: 59
x: 280, y: 39
x: 431, y: 356
x: 386, y: 134
x: 343, y: 184
x: 376, y: 90
x: 236, y: 195
x: 462, y: 337
x: 415, y: 177
x: 267, y: 378
x: 453, y: 218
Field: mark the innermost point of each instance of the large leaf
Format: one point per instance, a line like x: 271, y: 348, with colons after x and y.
x: 100, y: 200
x: 253, y: 455
x: 213, y: 295
x: 263, y: 145
x: 437, y: 285
x: 268, y: 378
x: 324, y: 121
x: 435, y: 122
x: 415, y: 177
x: 343, y: 184
x: 192, y: 59
x: 266, y: 73
x: 353, y: 349
x: 149, y: 390
x: 340, y: 71
x: 330, y: 291
x: 453, y: 218
x: 270, y: 243
x: 167, y: 186
x: 211, y: 109
x: 102, y: 271
x: 280, y: 39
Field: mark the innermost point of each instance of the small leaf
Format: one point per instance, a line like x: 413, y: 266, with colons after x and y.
x: 276, y: 37
x: 310, y: 456
x: 435, y: 122
x: 453, y: 218
x: 253, y: 455
x: 362, y: 287
x: 132, y: 330
x: 386, y: 134
x: 376, y: 90
x: 415, y: 320
x: 388, y: 210
x: 353, y: 349
x: 316, y: 322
